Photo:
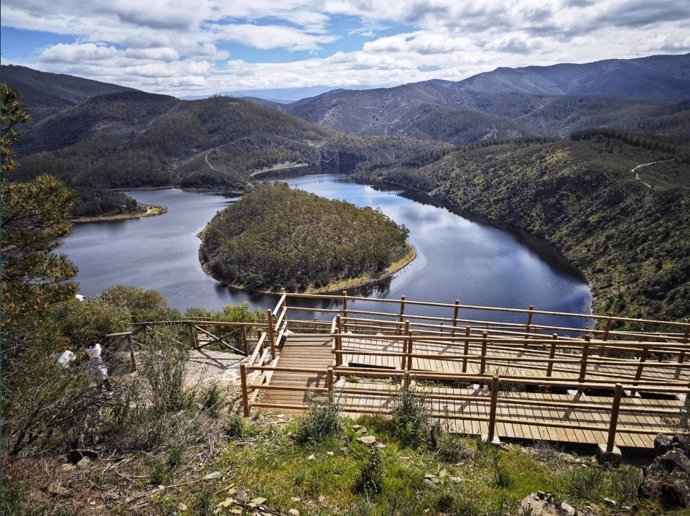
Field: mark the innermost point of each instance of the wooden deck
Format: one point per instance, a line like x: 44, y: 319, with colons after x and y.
x: 541, y: 414
x: 620, y: 383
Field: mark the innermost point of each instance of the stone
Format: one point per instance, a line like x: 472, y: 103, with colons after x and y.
x: 293, y: 512
x: 431, y: 479
x: 214, y: 475
x: 322, y: 499
x: 367, y: 439
x: 682, y: 442
x: 610, y: 502
x: 295, y: 499
x: 56, y: 489
x: 68, y: 467
x: 182, y: 507
x: 361, y: 430
x: 83, y: 462
x: 612, y: 457
x: 330, y: 453
x: 544, y: 504
x: 74, y: 456
x: 226, y: 504
x: 457, y: 480
x: 311, y: 457
x: 569, y: 509
x: 232, y: 490
x: 442, y: 474
x: 675, y: 491
x: 257, y: 501
x: 662, y: 444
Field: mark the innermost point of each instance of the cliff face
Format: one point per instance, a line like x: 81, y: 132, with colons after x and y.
x: 631, y: 241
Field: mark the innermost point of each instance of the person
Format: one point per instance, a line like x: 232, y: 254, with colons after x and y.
x: 92, y: 350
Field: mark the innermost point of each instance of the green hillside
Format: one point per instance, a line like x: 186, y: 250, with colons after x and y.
x: 631, y: 241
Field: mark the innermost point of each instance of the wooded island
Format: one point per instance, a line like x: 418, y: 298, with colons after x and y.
x: 275, y: 237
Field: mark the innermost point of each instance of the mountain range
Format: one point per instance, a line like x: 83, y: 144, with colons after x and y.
x: 102, y: 135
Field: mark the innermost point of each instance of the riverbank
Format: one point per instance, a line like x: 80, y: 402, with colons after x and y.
x: 150, y: 211
x: 338, y: 286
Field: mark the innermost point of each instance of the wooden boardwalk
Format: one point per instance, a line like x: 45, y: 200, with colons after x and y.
x: 618, y: 384
x: 540, y: 414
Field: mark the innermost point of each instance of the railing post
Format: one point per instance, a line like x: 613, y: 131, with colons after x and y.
x: 245, y: 394
x: 492, y: 410
x: 271, y: 334
x: 244, y: 341
x: 615, y: 409
x: 409, y: 345
x: 130, y: 343
x: 406, y: 380
x: 583, y: 361
x: 640, y: 365
x: 528, y: 326
x: 456, y: 310
x: 605, y: 337
x: 402, y: 312
x: 338, y: 341
x: 552, y: 354
x: 482, y: 365
x: 466, y: 351
x: 329, y: 379
x: 344, y: 309
x: 193, y: 334
x: 681, y: 356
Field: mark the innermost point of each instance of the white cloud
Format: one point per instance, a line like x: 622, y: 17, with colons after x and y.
x: 176, y: 46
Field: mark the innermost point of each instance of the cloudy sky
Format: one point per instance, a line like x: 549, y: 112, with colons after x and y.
x: 198, y: 47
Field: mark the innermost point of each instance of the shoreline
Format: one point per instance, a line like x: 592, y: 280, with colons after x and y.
x: 151, y: 211
x: 337, y: 286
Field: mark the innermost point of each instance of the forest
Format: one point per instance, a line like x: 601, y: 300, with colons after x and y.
x: 275, y: 237
x: 631, y: 239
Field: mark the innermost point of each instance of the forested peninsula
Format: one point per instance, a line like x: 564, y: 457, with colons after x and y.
x: 275, y: 237
x: 616, y: 205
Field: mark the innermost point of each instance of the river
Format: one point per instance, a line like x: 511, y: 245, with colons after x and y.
x: 457, y: 258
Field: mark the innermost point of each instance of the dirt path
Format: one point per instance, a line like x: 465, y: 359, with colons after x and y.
x: 637, y: 175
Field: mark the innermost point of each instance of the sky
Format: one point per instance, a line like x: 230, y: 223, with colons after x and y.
x: 202, y: 47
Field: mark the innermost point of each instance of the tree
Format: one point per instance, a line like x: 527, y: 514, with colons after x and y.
x: 34, y: 218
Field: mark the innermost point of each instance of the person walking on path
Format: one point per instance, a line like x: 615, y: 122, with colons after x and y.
x: 93, y: 352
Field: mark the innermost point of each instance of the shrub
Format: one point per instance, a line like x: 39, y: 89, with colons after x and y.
x: 370, y: 481
x: 502, y: 478
x: 321, y: 421
x: 582, y: 482
x: 212, y: 399
x: 450, y: 449
x: 235, y: 426
x: 410, y: 418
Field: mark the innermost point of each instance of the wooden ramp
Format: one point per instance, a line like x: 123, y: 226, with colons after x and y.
x: 290, y: 388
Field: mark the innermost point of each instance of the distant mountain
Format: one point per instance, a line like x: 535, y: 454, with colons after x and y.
x: 131, y: 138
x: 512, y: 103
x: 46, y: 93
x: 656, y: 78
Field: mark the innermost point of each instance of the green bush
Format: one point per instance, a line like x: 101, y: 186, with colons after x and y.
x: 321, y: 421
x: 212, y: 398
x: 584, y: 482
x: 235, y: 426
x: 409, y: 418
x: 370, y: 481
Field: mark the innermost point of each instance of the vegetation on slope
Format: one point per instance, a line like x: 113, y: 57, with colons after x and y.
x: 94, y: 202
x: 277, y: 237
x: 631, y: 241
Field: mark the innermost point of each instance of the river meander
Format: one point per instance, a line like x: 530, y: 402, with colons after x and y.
x: 457, y: 258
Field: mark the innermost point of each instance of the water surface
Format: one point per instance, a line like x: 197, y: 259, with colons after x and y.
x: 457, y: 258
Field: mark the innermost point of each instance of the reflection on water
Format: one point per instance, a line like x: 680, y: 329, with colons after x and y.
x: 457, y: 258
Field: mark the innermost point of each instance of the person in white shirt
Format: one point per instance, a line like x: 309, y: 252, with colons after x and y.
x: 93, y: 352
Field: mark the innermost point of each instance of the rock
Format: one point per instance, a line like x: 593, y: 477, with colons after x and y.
x: 74, y: 456
x: 442, y: 474
x: 257, y: 501
x: 330, y: 453
x: 379, y: 445
x: 322, y: 499
x: 431, y: 479
x: 295, y: 499
x: 682, y: 442
x: 83, y: 462
x: 457, y: 480
x: 367, y: 439
x: 662, y: 444
x: 226, y: 504
x: 68, y: 467
x: 311, y: 457
x: 675, y: 491
x: 293, y: 512
x: 668, y: 476
x: 56, y: 489
x: 182, y: 507
x: 610, y: 502
x: 361, y: 430
x: 214, y: 475
x: 545, y: 504
x: 232, y: 490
